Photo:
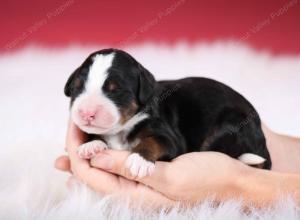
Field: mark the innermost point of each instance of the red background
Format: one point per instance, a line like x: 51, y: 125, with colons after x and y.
x: 121, y: 23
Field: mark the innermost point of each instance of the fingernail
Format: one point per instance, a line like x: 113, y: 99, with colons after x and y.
x: 103, y: 161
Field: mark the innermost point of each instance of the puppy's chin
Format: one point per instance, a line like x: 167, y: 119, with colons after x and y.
x: 94, y: 129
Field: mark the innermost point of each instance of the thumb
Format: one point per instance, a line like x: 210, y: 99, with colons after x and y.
x: 114, y: 161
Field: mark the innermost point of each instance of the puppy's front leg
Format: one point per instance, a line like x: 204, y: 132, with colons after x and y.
x: 90, y: 149
x: 141, y: 162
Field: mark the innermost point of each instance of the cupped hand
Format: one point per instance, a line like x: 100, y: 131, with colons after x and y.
x: 189, y: 178
x: 102, y: 181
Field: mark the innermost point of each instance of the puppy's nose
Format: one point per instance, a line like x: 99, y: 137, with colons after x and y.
x: 87, y: 115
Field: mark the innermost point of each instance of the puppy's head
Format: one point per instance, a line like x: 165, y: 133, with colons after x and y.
x: 108, y: 89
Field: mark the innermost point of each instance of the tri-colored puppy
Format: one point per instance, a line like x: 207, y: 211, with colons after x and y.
x: 119, y: 104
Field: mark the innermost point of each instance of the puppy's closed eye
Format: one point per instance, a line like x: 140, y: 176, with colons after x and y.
x: 111, y: 86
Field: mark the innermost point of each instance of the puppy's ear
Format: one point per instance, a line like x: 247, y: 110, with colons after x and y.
x: 69, y: 87
x: 147, y: 85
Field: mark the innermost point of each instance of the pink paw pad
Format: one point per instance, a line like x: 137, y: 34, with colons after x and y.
x: 90, y: 149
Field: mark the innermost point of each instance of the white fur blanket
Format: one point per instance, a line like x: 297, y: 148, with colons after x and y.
x: 33, y: 116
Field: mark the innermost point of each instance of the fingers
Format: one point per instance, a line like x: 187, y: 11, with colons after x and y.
x: 110, y: 160
x: 106, y: 182
x: 75, y: 137
x: 63, y: 163
x: 100, y: 181
x: 114, y: 161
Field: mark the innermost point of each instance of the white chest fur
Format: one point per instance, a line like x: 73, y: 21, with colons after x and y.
x: 119, y: 142
x: 117, y: 139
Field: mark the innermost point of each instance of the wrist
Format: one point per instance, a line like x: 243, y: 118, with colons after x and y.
x: 254, y: 187
x: 236, y: 185
x: 262, y: 187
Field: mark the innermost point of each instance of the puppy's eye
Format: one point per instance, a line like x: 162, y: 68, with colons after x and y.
x: 111, y: 87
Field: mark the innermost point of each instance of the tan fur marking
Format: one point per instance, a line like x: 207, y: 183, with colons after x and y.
x: 127, y: 113
x: 149, y: 148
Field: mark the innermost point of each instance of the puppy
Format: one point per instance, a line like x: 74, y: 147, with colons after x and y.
x: 121, y: 106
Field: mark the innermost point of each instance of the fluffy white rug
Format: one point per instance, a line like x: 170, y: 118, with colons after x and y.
x: 34, y: 112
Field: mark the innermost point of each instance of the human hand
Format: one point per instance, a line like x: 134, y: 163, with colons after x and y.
x: 101, y: 181
x: 190, y: 178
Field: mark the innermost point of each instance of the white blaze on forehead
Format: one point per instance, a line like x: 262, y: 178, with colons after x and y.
x: 93, y: 99
x: 98, y: 72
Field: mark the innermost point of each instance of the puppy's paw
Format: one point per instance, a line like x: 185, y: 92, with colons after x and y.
x: 138, y: 166
x: 251, y: 159
x: 90, y: 149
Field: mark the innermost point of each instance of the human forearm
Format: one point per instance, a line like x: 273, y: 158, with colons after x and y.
x: 284, y: 151
x: 260, y: 187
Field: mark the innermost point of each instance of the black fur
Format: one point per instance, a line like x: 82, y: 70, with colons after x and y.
x: 186, y: 115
